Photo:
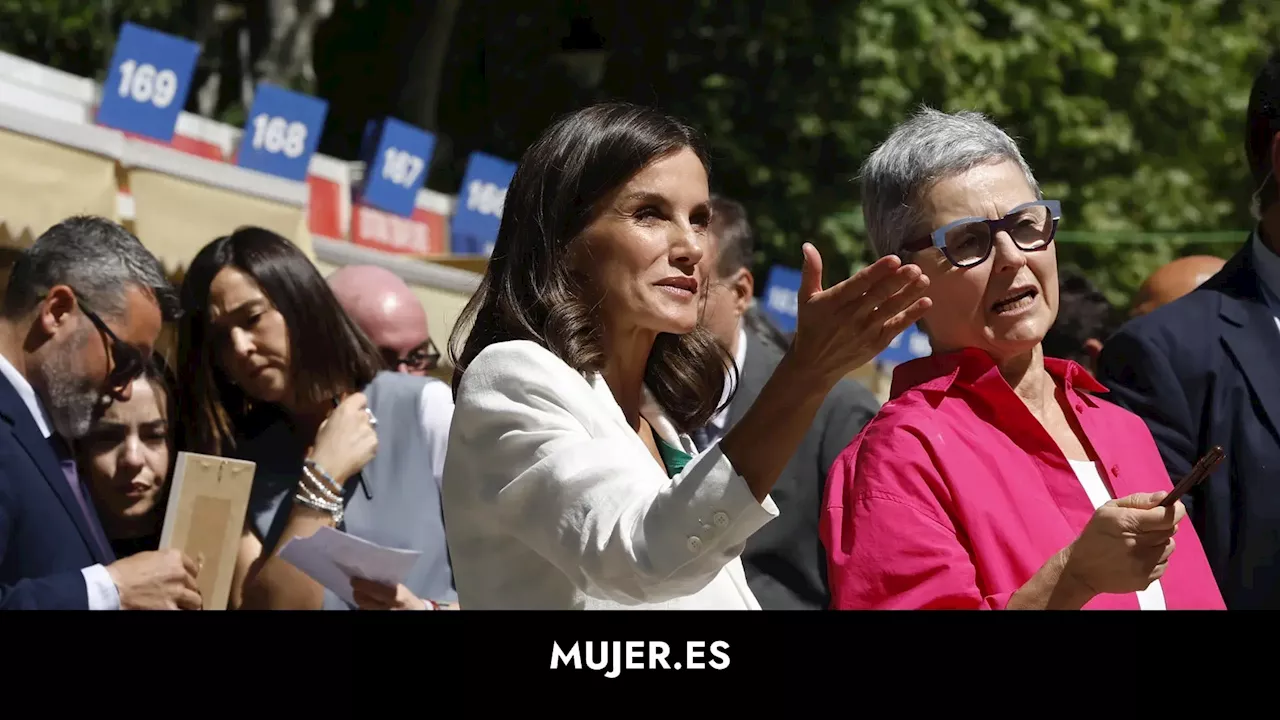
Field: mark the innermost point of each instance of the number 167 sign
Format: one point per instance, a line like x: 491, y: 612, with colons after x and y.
x: 397, y: 167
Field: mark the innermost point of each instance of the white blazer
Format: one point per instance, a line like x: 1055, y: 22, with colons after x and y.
x: 551, y: 501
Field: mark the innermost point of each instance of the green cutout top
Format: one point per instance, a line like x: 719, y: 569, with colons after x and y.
x: 672, y: 457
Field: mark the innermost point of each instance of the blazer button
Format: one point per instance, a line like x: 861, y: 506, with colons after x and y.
x: 694, y: 544
x: 1115, y: 469
x: 720, y: 519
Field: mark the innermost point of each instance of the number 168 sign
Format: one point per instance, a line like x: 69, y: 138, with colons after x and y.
x: 148, y: 83
x: 282, y: 132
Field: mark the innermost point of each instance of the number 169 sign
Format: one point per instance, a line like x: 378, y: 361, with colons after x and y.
x: 148, y: 83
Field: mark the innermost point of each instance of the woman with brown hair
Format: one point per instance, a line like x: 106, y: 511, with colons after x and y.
x: 126, y: 460
x: 570, y: 481
x: 275, y: 372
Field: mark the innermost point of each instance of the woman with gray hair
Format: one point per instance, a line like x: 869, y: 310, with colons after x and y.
x: 994, y: 478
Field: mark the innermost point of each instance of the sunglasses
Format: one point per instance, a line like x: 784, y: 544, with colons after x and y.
x: 423, y: 358
x: 127, y: 361
x: 968, y: 241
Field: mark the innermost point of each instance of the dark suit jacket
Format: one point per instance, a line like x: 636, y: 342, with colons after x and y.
x: 785, y: 562
x: 1204, y: 370
x: 44, y: 538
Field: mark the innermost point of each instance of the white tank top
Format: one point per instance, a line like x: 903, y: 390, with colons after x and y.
x: 1153, y: 597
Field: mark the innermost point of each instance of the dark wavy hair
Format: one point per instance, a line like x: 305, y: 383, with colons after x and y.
x: 529, y: 291
x: 330, y: 354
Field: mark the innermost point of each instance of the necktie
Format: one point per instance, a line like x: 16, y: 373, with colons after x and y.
x: 68, y: 464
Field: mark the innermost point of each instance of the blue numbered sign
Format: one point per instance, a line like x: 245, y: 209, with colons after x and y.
x: 148, y: 83
x: 282, y: 132
x: 912, y: 343
x: 479, y: 209
x: 780, y: 299
x: 397, y: 166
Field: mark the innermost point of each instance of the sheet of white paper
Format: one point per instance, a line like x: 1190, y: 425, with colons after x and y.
x: 332, y: 558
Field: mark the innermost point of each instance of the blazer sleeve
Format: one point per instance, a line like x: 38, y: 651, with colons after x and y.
x: 890, y: 542
x: 618, y: 527
x: 60, y: 591
x: 1142, y: 380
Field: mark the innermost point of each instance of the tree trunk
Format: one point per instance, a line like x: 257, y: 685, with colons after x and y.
x: 420, y: 98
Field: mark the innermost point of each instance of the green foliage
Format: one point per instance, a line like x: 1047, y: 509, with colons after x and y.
x: 76, y: 36
x: 1130, y: 113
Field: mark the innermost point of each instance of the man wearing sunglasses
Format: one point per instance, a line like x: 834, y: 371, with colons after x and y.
x: 384, y: 307
x: 82, y: 311
x: 390, y: 314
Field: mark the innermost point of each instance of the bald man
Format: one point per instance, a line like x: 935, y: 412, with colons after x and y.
x: 1174, y: 280
x: 390, y: 314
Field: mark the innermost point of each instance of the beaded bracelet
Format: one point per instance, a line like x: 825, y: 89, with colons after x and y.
x: 319, y: 498
x: 315, y: 467
x: 316, y: 495
x: 319, y: 486
x: 333, y: 509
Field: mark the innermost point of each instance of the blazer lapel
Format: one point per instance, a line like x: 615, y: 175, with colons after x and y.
x: 40, y: 450
x: 1250, y: 334
x: 649, y: 410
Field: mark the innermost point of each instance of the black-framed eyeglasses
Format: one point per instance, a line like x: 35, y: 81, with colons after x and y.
x: 423, y: 358
x: 127, y: 361
x: 968, y: 241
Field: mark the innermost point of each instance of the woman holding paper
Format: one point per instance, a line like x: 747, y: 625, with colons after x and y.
x: 273, y: 371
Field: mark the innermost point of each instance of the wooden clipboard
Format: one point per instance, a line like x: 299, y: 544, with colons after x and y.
x: 208, y: 501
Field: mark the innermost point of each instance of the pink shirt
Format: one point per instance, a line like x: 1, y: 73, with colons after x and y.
x: 955, y: 495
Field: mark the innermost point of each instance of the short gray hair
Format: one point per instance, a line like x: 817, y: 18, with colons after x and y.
x: 928, y: 147
x: 95, y: 257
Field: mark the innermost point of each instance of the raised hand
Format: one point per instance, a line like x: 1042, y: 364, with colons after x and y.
x: 843, y: 327
x: 346, y: 440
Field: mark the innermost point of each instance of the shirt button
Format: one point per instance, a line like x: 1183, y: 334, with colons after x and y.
x: 694, y: 544
x: 1115, y: 469
x: 1079, y: 408
x: 720, y: 519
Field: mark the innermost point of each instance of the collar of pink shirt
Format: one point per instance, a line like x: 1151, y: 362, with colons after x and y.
x: 975, y: 370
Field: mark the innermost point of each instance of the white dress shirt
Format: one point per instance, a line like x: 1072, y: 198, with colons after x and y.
x: 1267, y: 265
x: 716, y: 427
x: 103, y: 594
x: 553, y: 501
x: 437, y: 414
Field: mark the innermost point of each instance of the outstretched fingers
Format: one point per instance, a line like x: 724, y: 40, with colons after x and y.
x: 865, y: 280
x: 899, y: 322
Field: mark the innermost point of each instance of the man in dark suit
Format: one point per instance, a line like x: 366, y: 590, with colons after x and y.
x: 785, y: 562
x: 1204, y: 370
x: 82, y: 310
